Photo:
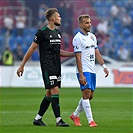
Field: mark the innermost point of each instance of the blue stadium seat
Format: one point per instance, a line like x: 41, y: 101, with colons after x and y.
x: 26, y: 32
x: 117, y: 24
x: 1, y: 43
x: 131, y: 14
x: 14, y: 32
x: 19, y: 40
x: 114, y: 32
x: 12, y: 43
x: 98, y: 4
x: 126, y: 33
x: 33, y: 31
x: 120, y: 3
x: 1, y: 39
x: 129, y: 42
x: 108, y: 4
x: 28, y: 40
x: 119, y: 41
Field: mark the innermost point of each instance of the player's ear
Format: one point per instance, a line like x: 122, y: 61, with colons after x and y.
x: 53, y: 18
x: 80, y: 25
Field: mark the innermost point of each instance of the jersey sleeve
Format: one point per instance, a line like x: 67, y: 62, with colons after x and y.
x: 38, y: 37
x: 76, y: 44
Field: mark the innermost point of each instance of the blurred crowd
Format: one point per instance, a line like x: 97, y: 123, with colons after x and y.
x: 114, y: 30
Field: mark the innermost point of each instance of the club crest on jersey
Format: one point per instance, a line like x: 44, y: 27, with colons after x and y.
x: 59, y: 36
x: 92, y: 38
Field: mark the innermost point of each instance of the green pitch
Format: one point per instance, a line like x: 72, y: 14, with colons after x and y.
x: 112, y: 111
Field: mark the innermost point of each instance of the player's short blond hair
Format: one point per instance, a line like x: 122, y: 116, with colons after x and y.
x: 81, y: 17
x: 50, y: 12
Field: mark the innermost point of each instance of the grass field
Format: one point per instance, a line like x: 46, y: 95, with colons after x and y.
x: 112, y: 110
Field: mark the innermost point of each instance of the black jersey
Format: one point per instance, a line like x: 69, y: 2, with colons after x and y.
x: 49, y: 42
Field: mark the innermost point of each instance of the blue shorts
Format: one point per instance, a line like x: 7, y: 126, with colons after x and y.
x: 91, y: 81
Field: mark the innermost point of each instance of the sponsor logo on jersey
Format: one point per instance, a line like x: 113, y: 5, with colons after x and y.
x: 52, y: 77
x: 83, y: 39
x: 55, y: 40
x: 92, y: 46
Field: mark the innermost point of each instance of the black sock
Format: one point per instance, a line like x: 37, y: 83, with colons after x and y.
x: 44, y: 105
x: 55, y: 105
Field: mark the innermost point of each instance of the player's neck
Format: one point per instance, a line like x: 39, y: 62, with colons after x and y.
x: 51, y: 26
x: 84, y: 32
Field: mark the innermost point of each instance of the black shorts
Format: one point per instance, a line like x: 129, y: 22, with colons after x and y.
x: 51, y: 80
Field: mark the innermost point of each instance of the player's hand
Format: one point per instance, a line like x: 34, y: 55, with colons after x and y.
x: 20, y: 71
x: 106, y: 72
x: 82, y: 80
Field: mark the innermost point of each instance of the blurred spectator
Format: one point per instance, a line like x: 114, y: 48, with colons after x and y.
x: 115, y: 11
x: 129, y: 5
x: 127, y: 21
x: 102, y: 27
x: 123, y: 54
x: 107, y: 45
x: 41, y: 14
x: 8, y: 24
x: 112, y: 52
x: 18, y: 52
x: 7, y: 58
x: 20, y: 23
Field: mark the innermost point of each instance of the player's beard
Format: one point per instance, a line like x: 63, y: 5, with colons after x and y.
x: 86, y: 29
x: 57, y: 24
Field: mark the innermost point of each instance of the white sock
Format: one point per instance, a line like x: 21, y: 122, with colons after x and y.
x: 58, y: 119
x: 38, y: 117
x: 87, y: 108
x: 79, y: 108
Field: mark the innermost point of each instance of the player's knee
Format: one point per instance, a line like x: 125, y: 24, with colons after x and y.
x: 87, y: 95
x: 54, y: 90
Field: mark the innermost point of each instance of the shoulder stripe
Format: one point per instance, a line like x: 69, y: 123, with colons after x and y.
x: 43, y: 28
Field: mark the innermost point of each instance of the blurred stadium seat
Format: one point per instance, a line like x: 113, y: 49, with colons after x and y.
x: 126, y: 33
x: 19, y: 40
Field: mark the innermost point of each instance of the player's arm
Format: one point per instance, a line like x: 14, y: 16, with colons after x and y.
x: 82, y: 79
x: 26, y: 57
x: 66, y: 54
x: 101, y: 61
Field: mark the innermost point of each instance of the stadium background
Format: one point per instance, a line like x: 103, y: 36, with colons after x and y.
x: 111, y: 23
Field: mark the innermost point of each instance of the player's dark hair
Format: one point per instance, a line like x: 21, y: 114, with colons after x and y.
x: 81, y: 17
x: 50, y: 12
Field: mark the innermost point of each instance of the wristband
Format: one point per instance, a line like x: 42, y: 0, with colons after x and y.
x: 104, y: 66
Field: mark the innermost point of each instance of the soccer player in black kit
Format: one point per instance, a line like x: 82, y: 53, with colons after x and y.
x: 48, y: 39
